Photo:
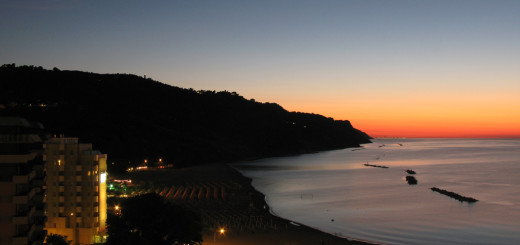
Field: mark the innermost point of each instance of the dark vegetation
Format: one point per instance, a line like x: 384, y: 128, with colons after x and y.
x: 454, y: 195
x: 132, y: 118
x: 56, y: 239
x: 150, y: 219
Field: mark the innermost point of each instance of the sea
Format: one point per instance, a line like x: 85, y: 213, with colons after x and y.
x: 334, y: 191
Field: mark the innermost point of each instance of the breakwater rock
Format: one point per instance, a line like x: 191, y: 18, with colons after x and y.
x: 409, y: 171
x: 411, y: 180
x: 375, y: 166
x: 454, y: 195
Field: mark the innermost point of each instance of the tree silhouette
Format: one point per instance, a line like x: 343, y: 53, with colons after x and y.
x: 56, y: 239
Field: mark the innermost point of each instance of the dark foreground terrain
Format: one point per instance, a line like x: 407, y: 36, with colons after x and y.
x: 225, y: 199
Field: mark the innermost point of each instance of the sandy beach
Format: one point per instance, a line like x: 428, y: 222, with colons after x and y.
x: 226, y: 200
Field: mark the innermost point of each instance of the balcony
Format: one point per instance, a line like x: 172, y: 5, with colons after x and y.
x: 39, y: 220
x: 32, y: 212
x: 23, y: 240
x: 35, y: 229
x: 38, y: 182
x: 38, y: 198
x: 32, y: 193
x: 38, y: 167
x: 35, y: 212
x: 20, y: 220
x: 18, y: 158
x: 32, y: 175
x: 20, y: 179
x: 20, y: 199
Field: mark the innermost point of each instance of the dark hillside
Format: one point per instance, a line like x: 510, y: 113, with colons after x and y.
x: 132, y: 118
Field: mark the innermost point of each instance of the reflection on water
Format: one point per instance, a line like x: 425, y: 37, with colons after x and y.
x: 334, y: 191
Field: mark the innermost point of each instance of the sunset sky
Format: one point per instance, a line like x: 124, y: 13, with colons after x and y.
x: 393, y: 68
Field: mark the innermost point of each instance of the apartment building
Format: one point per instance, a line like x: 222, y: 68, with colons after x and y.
x: 75, y: 190
x: 21, y: 180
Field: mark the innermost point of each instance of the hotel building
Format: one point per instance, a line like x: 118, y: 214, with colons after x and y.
x: 21, y: 181
x: 75, y: 190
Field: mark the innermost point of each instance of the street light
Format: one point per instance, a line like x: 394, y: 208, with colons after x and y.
x: 75, y: 234
x: 221, y: 232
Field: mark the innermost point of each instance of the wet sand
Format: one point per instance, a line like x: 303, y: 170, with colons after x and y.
x: 226, y: 199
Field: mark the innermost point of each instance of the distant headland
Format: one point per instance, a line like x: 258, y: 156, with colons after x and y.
x: 135, y: 118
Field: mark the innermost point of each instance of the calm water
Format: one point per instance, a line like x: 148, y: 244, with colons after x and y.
x: 334, y: 192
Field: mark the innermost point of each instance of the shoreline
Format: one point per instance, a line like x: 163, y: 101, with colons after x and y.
x: 234, y: 204
x: 271, y: 212
x: 350, y: 239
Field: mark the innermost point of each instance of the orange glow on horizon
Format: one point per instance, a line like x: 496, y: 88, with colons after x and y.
x: 428, y: 117
x: 442, y: 131
x: 463, y: 126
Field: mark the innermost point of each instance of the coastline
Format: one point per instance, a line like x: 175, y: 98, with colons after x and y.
x: 379, y: 203
x: 350, y: 240
x: 233, y: 204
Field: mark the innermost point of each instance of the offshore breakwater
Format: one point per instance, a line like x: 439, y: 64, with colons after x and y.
x: 364, y: 201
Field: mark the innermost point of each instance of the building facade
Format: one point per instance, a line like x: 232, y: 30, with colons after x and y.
x: 21, y: 182
x: 75, y: 190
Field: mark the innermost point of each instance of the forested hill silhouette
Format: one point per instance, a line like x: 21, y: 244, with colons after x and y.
x: 132, y: 118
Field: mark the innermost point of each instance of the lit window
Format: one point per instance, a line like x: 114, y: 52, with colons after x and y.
x: 103, y: 177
